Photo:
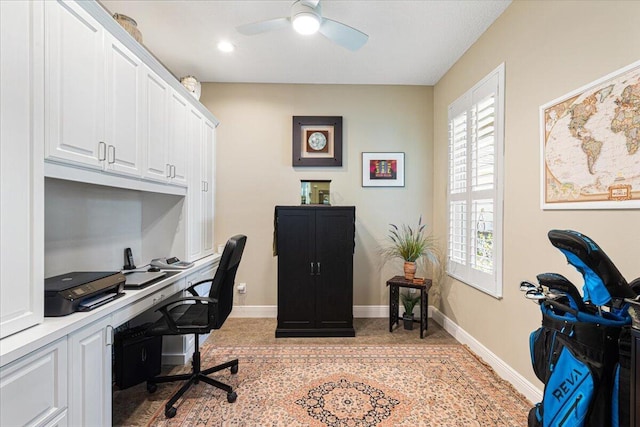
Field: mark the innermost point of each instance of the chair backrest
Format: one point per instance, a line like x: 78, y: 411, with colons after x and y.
x: 223, y: 281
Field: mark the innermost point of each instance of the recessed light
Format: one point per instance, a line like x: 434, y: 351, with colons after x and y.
x: 225, y: 46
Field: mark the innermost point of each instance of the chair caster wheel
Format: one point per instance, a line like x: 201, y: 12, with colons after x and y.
x: 152, y: 387
x: 234, y: 369
x: 171, y: 412
x: 231, y: 397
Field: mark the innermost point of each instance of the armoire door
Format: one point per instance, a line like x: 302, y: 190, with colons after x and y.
x: 334, y: 269
x: 296, y: 268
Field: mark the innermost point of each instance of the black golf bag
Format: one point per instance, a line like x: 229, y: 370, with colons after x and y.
x: 582, y: 350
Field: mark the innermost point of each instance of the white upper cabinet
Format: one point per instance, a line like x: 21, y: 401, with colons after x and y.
x: 74, y: 86
x: 110, y: 105
x: 200, y: 195
x: 155, y: 129
x: 123, y: 119
x: 196, y: 185
x: 165, y: 133
x: 21, y: 167
x: 207, y: 196
x: 178, y: 149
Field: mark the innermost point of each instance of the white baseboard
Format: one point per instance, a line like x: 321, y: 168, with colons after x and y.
x: 370, y: 311
x: 506, y: 372
x: 264, y: 311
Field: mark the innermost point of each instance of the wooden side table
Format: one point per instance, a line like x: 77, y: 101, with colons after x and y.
x: 397, y: 282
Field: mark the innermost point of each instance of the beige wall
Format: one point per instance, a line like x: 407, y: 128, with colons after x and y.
x: 254, y: 172
x: 549, y: 49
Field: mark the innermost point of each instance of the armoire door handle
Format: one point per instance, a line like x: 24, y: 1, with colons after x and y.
x: 317, y: 268
x: 312, y: 273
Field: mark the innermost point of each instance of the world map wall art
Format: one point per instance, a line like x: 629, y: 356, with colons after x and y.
x: 590, y: 141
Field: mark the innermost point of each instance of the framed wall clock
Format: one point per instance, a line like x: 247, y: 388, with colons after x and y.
x: 317, y: 141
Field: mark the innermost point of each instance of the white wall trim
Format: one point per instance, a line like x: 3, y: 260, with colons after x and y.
x: 506, y: 372
x: 370, y: 311
x: 247, y: 311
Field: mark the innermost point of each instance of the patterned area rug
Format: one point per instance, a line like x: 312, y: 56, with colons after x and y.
x: 350, y: 386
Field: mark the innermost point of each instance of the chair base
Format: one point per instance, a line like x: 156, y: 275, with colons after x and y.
x: 194, y: 377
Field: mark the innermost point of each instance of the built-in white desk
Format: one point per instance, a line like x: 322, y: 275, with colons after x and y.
x: 59, y: 372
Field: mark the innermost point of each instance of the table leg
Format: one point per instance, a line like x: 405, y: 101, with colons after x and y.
x: 424, y: 307
x: 394, y: 302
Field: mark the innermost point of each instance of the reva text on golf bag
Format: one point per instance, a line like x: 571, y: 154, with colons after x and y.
x: 581, y: 352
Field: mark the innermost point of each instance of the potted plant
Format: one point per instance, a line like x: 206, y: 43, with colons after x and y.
x: 411, y: 245
x: 409, y: 302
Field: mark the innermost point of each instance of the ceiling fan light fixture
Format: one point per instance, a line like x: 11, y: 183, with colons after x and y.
x: 306, y: 23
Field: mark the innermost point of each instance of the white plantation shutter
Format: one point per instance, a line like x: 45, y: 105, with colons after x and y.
x: 476, y: 134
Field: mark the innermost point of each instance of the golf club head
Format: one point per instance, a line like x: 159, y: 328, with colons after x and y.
x: 528, y: 286
x: 555, y: 294
x: 535, y: 295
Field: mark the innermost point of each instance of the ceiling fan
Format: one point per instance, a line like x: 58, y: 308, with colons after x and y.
x: 306, y: 18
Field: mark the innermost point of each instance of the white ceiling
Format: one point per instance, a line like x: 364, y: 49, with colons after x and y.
x: 410, y: 42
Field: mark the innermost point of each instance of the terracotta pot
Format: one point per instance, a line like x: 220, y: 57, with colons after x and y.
x: 409, y: 270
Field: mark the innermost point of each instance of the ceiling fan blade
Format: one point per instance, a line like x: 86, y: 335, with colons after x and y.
x: 263, y: 26
x: 342, y: 34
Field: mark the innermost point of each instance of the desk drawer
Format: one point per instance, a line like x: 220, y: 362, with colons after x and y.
x: 132, y: 310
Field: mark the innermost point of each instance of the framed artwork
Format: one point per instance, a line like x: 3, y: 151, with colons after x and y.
x: 590, y: 145
x: 383, y: 169
x: 317, y: 141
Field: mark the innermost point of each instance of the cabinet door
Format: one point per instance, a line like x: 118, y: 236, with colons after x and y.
x: 208, y: 193
x: 21, y: 167
x: 196, y: 186
x: 90, y: 375
x: 178, y: 145
x: 155, y: 129
x: 296, y: 275
x: 33, y: 388
x: 334, y: 254
x: 123, y: 112
x: 74, y: 86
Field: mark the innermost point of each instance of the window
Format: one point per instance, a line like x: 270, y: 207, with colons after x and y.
x: 476, y: 135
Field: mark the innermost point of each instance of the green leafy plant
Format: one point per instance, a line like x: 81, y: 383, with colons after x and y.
x: 409, y: 302
x: 411, y: 244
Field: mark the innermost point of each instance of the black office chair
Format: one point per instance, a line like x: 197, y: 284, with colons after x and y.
x: 199, y: 315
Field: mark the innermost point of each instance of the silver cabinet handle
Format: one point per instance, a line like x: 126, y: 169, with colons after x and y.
x: 108, y: 336
x: 203, y: 183
x: 173, y: 173
x: 111, y: 152
x: 311, y: 273
x: 318, y: 268
x: 102, y: 151
x: 168, y: 170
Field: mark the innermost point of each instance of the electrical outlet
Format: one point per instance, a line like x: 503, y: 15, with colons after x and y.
x: 242, y: 288
x: 412, y: 291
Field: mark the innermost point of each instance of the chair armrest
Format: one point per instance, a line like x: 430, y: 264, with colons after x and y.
x: 165, y: 313
x: 192, y: 289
